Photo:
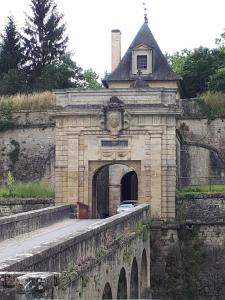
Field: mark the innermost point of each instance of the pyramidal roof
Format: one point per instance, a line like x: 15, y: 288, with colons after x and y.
x: 161, y: 68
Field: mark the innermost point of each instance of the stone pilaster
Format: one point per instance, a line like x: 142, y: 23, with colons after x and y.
x: 156, y: 174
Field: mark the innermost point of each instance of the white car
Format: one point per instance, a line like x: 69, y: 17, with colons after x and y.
x: 124, y: 207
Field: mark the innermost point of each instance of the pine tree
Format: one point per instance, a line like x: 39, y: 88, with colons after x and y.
x: 11, y: 56
x: 44, y: 36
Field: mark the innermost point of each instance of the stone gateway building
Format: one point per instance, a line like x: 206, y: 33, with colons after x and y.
x: 119, y: 143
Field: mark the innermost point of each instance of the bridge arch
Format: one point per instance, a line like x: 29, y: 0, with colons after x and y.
x: 134, y: 291
x: 107, y: 292
x: 122, y: 285
x: 143, y: 275
x: 105, y: 185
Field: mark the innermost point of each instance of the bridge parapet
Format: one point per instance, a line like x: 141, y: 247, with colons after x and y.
x: 89, y: 259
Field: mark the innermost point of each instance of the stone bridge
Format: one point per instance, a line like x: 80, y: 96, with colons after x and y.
x: 76, y: 259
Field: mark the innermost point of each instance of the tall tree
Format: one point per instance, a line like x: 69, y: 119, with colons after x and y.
x: 44, y: 36
x: 11, y: 55
x: 197, y: 68
x: 60, y: 75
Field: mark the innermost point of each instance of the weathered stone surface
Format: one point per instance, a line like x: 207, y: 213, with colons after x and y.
x: 11, y: 226
x: 27, y: 150
x: 90, y: 259
x: 202, y: 208
x: 15, y: 206
x: 150, y: 149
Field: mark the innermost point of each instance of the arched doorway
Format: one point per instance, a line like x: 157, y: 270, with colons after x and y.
x: 100, y: 190
x: 143, y: 279
x: 129, y: 186
x: 106, y: 188
x: 134, y: 280
x: 107, y: 293
x: 122, y: 285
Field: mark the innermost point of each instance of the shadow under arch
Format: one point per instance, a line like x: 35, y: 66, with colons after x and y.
x: 107, y: 292
x: 122, y: 285
x: 100, y: 205
x: 134, y: 280
x: 129, y: 186
x: 143, y: 279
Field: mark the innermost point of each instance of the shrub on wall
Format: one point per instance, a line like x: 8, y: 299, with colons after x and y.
x: 212, y: 105
x: 6, y: 110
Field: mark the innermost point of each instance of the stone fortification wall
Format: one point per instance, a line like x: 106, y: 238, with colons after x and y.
x: 202, y: 209
x: 27, y: 147
x: 14, y: 206
x: 188, y: 258
x: 202, y: 153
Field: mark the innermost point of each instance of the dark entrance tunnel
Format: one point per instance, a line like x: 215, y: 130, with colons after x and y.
x: 107, y: 293
x: 110, y: 187
x: 129, y: 186
x: 100, y: 191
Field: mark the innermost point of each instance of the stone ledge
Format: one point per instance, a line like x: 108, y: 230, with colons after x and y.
x: 11, y: 226
x: 22, y: 201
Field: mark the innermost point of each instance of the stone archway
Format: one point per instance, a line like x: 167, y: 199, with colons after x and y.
x: 134, y: 291
x: 128, y: 126
x: 143, y: 279
x: 106, y: 205
x: 122, y: 285
x: 107, y: 292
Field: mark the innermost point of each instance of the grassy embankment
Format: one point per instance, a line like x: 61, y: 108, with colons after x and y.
x: 35, y: 189
x: 200, y: 189
x: 34, y: 101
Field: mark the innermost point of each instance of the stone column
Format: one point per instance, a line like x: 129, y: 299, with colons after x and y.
x: 73, y: 168
x: 61, y: 163
x: 156, y: 174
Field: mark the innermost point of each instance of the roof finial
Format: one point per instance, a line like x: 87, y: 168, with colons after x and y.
x: 145, y: 14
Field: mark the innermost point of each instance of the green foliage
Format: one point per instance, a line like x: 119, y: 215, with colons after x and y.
x: 59, y: 75
x: 177, y: 60
x: 35, y: 189
x: 13, y: 82
x: 36, y: 60
x: 221, y: 40
x: 10, y: 185
x: 44, y: 36
x: 212, y: 105
x: 91, y: 80
x: 217, y: 81
x: 200, y: 69
x: 193, y: 190
x: 6, y: 114
x: 11, y: 55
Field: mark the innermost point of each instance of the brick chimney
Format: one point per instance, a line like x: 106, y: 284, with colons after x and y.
x: 116, y: 48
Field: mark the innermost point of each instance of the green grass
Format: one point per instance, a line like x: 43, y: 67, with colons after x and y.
x: 34, y: 189
x: 201, y: 189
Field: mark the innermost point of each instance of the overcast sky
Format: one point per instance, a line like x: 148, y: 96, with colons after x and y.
x: 176, y: 24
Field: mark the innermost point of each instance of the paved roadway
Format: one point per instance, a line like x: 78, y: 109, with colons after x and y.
x: 25, y: 243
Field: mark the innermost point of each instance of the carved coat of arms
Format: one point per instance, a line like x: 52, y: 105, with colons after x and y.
x: 113, y: 117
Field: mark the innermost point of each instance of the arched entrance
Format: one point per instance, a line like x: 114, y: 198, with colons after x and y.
x: 107, y: 293
x: 134, y: 280
x: 129, y: 186
x: 112, y: 183
x: 122, y: 285
x: 100, y: 191
x: 143, y: 279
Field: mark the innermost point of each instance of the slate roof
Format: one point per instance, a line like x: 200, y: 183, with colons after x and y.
x: 161, y: 69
